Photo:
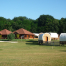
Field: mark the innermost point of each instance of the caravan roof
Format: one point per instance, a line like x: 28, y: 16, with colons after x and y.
x: 54, y: 35
x: 63, y: 37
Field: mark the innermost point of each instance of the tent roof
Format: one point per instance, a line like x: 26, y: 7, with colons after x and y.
x: 23, y: 31
x: 36, y: 34
x: 54, y: 35
x: 63, y: 37
x: 5, y: 32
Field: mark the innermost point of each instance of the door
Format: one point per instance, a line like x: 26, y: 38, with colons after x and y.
x: 46, y: 38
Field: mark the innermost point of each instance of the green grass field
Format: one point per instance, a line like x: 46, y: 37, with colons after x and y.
x: 30, y: 53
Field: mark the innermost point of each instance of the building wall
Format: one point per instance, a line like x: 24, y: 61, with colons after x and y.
x: 25, y: 36
x: 28, y: 36
x: 31, y: 37
x: 4, y: 37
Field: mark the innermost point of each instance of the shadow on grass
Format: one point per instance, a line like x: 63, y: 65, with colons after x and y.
x: 4, y: 40
x: 53, y: 43
x: 50, y: 45
x: 63, y: 50
x: 32, y: 42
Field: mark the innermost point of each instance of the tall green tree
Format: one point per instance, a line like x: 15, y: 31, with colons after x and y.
x: 45, y: 22
x: 62, y: 28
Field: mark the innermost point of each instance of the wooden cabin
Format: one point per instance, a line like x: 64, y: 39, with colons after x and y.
x: 4, y: 33
x: 24, y: 34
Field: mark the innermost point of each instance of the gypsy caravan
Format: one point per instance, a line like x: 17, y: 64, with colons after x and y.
x: 54, y: 36
x: 63, y: 38
x: 44, y: 38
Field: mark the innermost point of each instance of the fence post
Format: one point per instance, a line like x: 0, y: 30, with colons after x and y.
x: 53, y: 43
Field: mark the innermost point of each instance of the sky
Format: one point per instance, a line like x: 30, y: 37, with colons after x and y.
x: 32, y: 8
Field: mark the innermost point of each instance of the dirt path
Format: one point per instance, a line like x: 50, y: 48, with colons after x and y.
x: 9, y: 41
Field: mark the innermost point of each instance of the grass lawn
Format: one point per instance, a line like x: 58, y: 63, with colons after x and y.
x: 30, y: 53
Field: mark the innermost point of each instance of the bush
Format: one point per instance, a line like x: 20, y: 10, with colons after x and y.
x: 11, y: 36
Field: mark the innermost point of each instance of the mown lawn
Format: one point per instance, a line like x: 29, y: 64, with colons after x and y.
x: 30, y: 53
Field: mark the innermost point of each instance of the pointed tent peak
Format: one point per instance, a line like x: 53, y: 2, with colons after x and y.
x: 5, y: 32
x: 23, y: 31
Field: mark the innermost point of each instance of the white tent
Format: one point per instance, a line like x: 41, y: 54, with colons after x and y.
x: 63, y: 37
x: 54, y: 35
x: 36, y: 34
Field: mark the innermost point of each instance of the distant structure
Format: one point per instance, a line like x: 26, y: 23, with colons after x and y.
x: 36, y: 35
x: 62, y: 38
x: 40, y: 33
x: 54, y: 36
x: 4, y: 33
x: 23, y: 33
x: 44, y: 37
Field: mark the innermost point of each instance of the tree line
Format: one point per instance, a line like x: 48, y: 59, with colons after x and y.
x: 45, y: 23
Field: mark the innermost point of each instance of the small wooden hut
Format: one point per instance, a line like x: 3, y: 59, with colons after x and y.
x: 45, y: 37
x: 4, y: 33
x: 24, y: 34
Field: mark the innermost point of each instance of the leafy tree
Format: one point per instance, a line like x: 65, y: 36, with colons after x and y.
x: 45, y: 22
x: 62, y: 27
x: 11, y: 36
x: 34, y: 26
x: 21, y: 22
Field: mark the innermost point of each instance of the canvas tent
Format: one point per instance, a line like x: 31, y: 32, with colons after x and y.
x: 63, y: 38
x: 23, y: 33
x: 54, y: 36
x: 36, y: 35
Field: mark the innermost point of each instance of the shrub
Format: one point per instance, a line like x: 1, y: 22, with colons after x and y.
x: 11, y: 36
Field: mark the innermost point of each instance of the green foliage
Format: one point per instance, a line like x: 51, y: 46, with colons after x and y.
x: 45, y: 23
x: 11, y: 36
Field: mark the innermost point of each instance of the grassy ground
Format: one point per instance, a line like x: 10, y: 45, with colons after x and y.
x: 30, y: 53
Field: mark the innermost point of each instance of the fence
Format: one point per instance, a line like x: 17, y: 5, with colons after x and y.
x: 51, y: 43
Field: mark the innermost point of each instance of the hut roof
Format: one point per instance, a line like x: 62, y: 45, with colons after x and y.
x: 23, y: 31
x: 5, y: 32
x: 0, y: 32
